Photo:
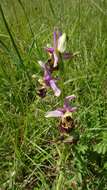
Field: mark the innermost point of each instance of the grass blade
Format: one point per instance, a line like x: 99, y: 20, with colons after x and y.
x: 51, y: 7
x: 11, y: 36
x: 4, y: 46
x: 26, y: 17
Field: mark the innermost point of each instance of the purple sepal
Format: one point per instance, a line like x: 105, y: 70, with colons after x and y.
x: 56, y: 90
x: 50, y: 50
x: 66, y: 101
x: 55, y: 39
x: 67, y: 55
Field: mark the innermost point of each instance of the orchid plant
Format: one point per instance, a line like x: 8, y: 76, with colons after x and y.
x: 58, y: 49
x: 66, y: 124
x: 48, y: 81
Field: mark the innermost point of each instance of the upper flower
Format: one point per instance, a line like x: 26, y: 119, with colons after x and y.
x: 48, y: 80
x: 59, y: 47
x: 66, y: 110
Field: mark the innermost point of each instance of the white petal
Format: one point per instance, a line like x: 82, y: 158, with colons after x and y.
x: 48, y: 45
x: 62, y: 43
x: 55, y: 113
x: 42, y: 64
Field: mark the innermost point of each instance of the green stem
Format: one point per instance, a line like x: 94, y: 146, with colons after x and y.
x: 62, y: 157
x: 60, y: 179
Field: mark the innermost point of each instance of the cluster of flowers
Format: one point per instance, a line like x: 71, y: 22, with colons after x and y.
x: 56, y: 54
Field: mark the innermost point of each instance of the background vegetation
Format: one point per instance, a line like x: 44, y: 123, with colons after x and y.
x: 28, y: 159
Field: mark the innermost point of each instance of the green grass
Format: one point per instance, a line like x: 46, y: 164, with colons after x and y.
x: 28, y: 161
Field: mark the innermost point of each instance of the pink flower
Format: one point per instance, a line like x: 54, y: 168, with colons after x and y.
x: 66, y: 110
x: 48, y: 80
x: 65, y: 113
x: 59, y: 47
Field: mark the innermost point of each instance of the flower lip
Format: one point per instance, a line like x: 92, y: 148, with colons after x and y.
x: 42, y: 92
